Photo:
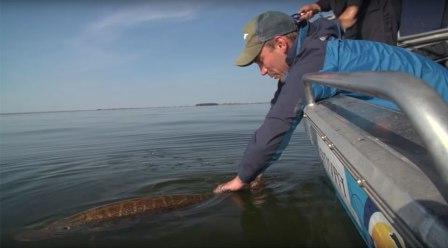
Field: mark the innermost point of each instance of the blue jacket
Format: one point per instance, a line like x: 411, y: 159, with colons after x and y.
x: 318, y: 48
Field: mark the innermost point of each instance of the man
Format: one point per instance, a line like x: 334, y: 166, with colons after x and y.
x: 286, y: 50
x: 377, y: 20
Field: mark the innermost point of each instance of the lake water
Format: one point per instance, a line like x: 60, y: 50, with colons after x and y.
x: 56, y: 164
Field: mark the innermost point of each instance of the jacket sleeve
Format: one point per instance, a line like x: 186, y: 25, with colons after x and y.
x: 272, y: 137
x: 354, y: 2
x: 324, y: 5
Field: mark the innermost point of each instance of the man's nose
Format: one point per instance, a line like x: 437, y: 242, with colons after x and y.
x: 263, y: 70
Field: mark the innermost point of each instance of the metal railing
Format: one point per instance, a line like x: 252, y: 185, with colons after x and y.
x: 433, y: 44
x: 423, y: 38
x: 422, y: 105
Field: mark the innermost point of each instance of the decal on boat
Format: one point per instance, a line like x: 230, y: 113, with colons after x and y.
x: 373, y: 226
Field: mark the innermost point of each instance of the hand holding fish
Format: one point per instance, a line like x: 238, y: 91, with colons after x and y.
x: 233, y: 185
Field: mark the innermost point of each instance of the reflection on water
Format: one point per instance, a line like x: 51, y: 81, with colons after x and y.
x: 56, y: 164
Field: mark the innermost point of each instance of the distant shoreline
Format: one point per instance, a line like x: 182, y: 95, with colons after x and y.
x: 130, y: 108
x: 207, y: 104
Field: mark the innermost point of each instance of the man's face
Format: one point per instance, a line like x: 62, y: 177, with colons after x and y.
x: 272, y: 60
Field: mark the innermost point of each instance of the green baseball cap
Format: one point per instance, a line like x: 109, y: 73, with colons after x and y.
x: 260, y: 29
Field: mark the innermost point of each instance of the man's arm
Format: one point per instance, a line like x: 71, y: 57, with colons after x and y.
x: 266, y: 146
x: 286, y: 111
x: 349, y: 17
x: 270, y: 139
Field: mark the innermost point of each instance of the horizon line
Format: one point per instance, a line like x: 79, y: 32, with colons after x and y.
x: 123, y: 108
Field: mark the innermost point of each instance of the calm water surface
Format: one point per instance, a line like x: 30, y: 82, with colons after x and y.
x: 57, y: 164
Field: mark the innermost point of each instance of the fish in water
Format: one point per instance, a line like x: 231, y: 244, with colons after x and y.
x: 112, y: 211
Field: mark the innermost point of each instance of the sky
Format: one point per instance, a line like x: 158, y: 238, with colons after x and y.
x: 79, y: 55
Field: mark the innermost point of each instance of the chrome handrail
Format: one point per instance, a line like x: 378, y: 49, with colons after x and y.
x: 423, y: 106
x: 423, y: 38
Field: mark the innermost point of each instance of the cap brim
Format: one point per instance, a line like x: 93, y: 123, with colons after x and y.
x: 248, y: 55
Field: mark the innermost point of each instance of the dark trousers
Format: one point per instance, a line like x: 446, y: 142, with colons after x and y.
x: 378, y: 20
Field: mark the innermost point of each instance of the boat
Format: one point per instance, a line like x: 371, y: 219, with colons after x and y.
x: 389, y: 168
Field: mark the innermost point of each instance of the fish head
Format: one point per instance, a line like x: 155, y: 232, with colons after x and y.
x: 53, y: 230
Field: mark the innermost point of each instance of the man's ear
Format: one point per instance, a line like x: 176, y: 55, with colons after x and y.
x: 282, y: 43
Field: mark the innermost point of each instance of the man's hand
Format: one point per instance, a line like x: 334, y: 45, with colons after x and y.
x: 232, y: 185
x: 307, y: 11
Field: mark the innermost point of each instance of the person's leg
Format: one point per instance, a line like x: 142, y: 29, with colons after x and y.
x: 380, y: 22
